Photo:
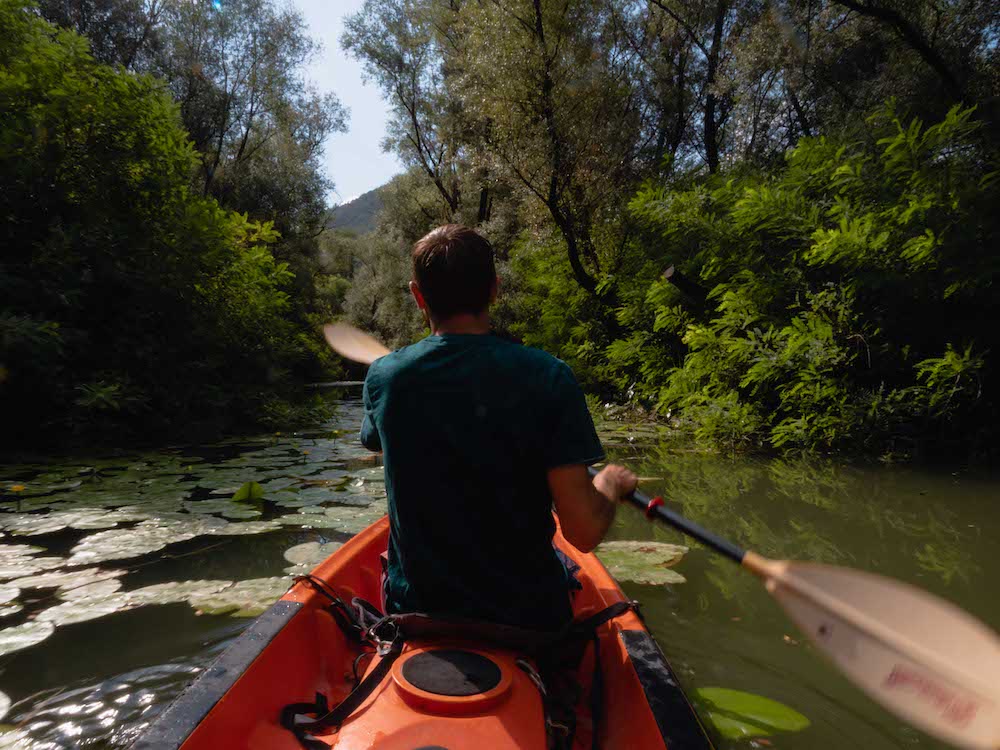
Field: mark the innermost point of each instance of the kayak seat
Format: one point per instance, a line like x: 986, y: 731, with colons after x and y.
x: 452, y: 680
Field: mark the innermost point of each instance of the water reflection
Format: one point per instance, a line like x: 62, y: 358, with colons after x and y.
x: 106, y: 542
x: 935, y: 530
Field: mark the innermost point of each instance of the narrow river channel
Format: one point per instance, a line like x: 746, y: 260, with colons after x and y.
x: 122, y: 577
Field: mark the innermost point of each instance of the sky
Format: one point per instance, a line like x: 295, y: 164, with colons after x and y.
x: 353, y: 160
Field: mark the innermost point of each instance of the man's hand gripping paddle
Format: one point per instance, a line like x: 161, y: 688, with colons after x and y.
x: 926, y: 660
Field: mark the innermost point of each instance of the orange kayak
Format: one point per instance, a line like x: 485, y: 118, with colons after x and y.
x: 443, y: 692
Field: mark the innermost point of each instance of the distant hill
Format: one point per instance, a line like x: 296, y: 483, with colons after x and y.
x: 359, y: 214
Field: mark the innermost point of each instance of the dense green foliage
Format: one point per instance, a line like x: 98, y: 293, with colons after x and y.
x: 821, y: 174
x: 130, y: 301
x: 843, y: 302
x: 850, y: 296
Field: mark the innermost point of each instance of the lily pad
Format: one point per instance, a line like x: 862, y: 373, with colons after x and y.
x: 149, y: 536
x: 276, y: 485
x: 24, y: 636
x: 328, y: 477
x: 176, y: 591
x: 210, y: 507
x: 303, y: 499
x: 737, y: 715
x: 65, y: 580
x: 18, y: 560
x: 240, y: 514
x: 351, y: 520
x: 249, y: 492
x: 242, y: 599
x: 311, y: 553
x: 95, y: 590
x: 642, y: 562
x: 25, y: 524
x: 249, y: 527
x: 82, y: 610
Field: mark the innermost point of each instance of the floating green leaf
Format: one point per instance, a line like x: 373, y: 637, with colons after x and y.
x: 642, y: 562
x: 243, y: 598
x: 736, y: 715
x: 310, y: 554
x: 24, y: 635
x: 249, y: 491
x: 82, y: 610
x: 95, y: 590
x: 65, y: 580
x: 18, y: 560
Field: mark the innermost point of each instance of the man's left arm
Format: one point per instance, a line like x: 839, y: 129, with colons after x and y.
x: 369, y: 431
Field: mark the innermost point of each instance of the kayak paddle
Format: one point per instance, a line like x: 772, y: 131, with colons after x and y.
x: 921, y: 657
x: 353, y: 344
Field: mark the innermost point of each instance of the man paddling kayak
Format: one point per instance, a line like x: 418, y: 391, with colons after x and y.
x: 481, y: 437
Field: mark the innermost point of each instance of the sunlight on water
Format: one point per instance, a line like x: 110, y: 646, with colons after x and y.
x: 122, y: 577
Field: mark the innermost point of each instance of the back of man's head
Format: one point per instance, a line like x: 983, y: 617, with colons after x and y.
x: 453, y: 266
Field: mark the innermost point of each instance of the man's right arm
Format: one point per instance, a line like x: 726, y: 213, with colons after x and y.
x: 586, y: 507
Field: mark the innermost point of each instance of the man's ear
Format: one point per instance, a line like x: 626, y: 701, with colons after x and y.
x: 494, y: 289
x: 418, y: 296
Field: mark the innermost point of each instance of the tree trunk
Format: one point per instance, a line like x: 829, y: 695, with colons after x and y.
x: 711, y: 100
x: 688, y: 287
x: 800, y: 113
x: 914, y: 38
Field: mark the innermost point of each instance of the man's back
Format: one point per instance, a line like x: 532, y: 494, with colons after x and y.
x: 470, y: 424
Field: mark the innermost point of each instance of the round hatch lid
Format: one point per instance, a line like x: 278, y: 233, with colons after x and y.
x: 450, y: 680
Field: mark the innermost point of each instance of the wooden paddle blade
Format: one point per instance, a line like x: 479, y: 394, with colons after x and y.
x: 352, y: 344
x: 921, y: 657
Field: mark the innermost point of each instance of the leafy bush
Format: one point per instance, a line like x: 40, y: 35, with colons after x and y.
x: 128, y: 301
x: 850, y: 302
x: 846, y: 298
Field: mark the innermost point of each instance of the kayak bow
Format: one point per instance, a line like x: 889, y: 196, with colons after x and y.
x: 296, y: 651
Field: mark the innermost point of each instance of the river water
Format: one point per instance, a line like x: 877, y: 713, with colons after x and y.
x: 122, y: 577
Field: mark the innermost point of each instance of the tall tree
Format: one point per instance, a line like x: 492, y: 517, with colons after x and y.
x: 404, y: 45
x: 121, y: 32
x: 564, y: 119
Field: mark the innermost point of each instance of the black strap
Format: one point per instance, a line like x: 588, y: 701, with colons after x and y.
x: 294, y: 717
x: 585, y: 628
x: 596, y: 695
x: 366, y: 621
x: 319, y: 584
x: 368, y: 616
x: 289, y: 712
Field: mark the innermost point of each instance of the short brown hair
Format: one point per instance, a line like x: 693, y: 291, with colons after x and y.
x: 453, y: 266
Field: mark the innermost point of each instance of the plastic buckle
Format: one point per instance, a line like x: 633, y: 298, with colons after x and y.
x: 383, y: 640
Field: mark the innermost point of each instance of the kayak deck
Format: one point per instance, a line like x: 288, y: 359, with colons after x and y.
x: 296, y: 651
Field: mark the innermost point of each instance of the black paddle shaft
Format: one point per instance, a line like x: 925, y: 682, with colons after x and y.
x: 679, y: 522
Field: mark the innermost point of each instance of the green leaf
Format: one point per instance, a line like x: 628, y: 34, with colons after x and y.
x: 641, y: 561
x: 736, y: 715
x: 249, y: 491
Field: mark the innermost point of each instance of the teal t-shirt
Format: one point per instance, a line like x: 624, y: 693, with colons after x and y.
x: 469, y: 425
